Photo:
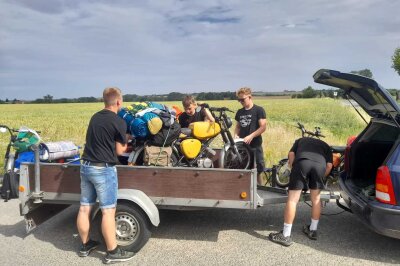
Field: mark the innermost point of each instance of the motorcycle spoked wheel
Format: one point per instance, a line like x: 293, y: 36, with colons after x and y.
x: 231, y: 160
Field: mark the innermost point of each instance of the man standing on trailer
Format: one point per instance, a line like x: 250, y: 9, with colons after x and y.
x: 105, y: 139
x: 311, y: 159
x: 251, y: 123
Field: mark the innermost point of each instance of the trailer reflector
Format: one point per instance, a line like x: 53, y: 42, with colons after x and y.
x: 243, y: 195
x: 21, y: 188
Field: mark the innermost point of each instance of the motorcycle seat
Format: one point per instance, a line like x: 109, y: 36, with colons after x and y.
x: 185, y: 132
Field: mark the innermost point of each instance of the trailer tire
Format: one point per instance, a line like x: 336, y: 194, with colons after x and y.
x: 132, y: 226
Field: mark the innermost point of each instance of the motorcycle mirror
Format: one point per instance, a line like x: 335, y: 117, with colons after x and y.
x: 3, y: 129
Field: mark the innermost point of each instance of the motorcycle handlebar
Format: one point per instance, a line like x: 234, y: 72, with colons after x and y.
x: 204, y: 105
x: 13, y: 130
x: 220, y: 109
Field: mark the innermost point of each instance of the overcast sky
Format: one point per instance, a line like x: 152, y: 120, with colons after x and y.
x: 76, y: 48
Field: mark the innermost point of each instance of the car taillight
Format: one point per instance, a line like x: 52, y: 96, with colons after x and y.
x: 383, y: 186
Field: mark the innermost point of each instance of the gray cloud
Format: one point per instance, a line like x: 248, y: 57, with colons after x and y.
x: 76, y: 48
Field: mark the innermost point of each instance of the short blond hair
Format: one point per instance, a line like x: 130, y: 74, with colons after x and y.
x: 243, y: 91
x: 111, y: 95
x: 188, y: 100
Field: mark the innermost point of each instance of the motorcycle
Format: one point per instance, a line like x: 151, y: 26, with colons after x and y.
x: 193, y: 148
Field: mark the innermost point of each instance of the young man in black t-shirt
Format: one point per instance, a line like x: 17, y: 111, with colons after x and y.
x: 251, y: 123
x: 105, y: 140
x: 193, y: 112
x: 310, y: 160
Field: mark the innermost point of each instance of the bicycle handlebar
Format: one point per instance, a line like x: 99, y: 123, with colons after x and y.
x: 317, y: 132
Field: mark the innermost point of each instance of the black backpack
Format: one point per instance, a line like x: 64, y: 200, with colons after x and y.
x: 166, y: 135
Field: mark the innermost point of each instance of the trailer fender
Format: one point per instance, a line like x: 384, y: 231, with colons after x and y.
x: 142, y: 200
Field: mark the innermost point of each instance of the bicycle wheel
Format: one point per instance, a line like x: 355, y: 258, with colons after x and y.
x: 232, y: 161
x: 283, y: 173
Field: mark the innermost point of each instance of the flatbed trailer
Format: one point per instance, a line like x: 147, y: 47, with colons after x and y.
x: 48, y: 188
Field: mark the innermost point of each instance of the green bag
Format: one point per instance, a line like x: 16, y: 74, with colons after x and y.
x: 26, y: 137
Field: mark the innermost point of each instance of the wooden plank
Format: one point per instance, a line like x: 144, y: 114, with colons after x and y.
x: 56, y: 178
x: 155, y: 181
x: 190, y: 183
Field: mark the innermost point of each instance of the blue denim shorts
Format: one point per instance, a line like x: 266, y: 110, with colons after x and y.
x: 101, y: 183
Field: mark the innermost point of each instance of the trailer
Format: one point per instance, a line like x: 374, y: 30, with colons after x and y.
x: 48, y: 188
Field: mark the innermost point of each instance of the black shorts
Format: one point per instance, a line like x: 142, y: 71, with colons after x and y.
x: 259, y: 156
x: 307, y: 174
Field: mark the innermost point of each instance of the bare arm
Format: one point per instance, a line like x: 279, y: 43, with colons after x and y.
x: 262, y: 127
x: 328, y: 168
x: 120, y: 148
x: 208, y: 116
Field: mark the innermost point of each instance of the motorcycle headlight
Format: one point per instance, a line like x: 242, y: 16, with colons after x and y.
x: 228, y: 122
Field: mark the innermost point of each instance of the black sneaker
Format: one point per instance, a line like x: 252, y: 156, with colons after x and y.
x: 280, y: 239
x: 312, y: 234
x: 85, y: 249
x: 119, y: 256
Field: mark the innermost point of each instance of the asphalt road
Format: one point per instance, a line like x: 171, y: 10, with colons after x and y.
x: 209, y: 237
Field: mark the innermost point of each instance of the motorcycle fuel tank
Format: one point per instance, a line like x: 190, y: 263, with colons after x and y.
x: 205, y: 130
x: 190, y: 148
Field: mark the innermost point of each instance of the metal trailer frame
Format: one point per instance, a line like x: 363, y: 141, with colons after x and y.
x: 48, y: 188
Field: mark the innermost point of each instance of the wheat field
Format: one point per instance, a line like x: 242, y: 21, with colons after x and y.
x: 58, y: 122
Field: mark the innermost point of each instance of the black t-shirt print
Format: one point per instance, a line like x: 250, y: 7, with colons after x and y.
x: 249, y: 122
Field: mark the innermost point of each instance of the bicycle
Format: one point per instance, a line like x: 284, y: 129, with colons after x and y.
x: 20, y: 140
x: 283, y: 175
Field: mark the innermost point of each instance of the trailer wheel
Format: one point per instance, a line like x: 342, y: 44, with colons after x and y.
x: 132, y: 226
